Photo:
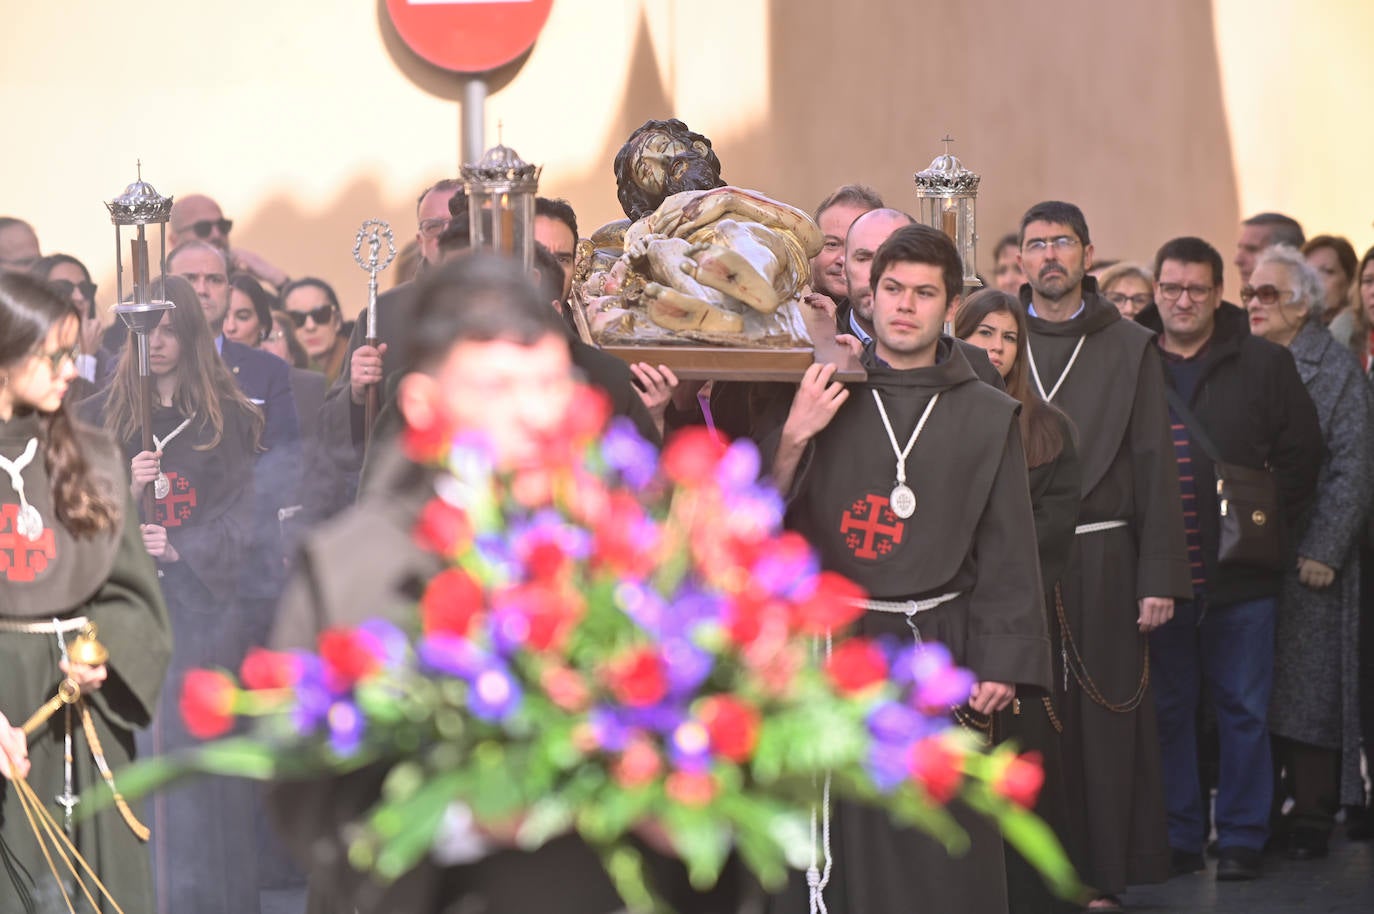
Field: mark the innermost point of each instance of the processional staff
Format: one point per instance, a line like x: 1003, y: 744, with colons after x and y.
x: 140, y: 206
x: 373, y: 231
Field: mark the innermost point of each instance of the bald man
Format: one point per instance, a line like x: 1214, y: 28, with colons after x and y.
x: 196, y: 217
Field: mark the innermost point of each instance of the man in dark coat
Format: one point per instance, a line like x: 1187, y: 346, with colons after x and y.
x: 1245, y: 396
x: 1129, y: 560
x: 948, y: 551
x: 481, y: 341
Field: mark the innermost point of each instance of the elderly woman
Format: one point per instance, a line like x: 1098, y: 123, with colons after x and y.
x: 1313, y: 714
x: 1129, y: 286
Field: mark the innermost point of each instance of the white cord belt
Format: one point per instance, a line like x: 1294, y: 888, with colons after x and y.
x: 44, y: 627
x: 907, y: 607
x: 1098, y: 527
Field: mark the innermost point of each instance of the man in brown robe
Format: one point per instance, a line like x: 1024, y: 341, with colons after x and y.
x: 958, y: 566
x: 1129, y: 561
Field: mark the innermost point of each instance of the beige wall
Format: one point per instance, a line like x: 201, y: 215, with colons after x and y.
x: 305, y: 117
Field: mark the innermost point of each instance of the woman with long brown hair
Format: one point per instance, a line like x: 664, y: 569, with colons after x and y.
x: 205, y: 436
x: 996, y: 322
x: 71, y: 554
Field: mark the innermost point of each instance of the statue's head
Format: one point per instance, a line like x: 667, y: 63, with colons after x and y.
x: 659, y: 159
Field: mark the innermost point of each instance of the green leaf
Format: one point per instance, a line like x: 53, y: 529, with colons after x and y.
x: 404, y: 830
x: 626, y: 869
x: 1032, y: 838
x: 702, y: 840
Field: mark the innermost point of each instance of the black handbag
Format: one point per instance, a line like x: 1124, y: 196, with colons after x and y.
x: 1248, y: 518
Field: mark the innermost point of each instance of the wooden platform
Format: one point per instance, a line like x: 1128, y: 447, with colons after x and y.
x: 734, y: 363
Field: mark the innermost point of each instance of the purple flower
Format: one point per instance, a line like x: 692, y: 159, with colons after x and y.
x: 346, y: 725
x: 690, y: 609
x: 493, y: 693
x: 629, y: 454
x: 609, y: 731
x: 510, y: 629
x: 887, y: 765
x: 661, y: 718
x: 687, y: 666
x: 386, y: 641
x: 787, y: 572
x: 936, y: 681
x: 896, y: 724
x: 313, y: 696
x: 689, y: 748
x: 739, y: 466
x: 643, y: 605
x: 450, y: 654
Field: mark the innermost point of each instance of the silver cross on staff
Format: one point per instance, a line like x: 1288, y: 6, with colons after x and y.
x: 373, y: 232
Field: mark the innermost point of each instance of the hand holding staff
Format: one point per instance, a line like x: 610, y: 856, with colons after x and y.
x: 373, y: 231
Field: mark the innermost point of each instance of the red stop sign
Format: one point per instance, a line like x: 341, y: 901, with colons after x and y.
x: 469, y: 36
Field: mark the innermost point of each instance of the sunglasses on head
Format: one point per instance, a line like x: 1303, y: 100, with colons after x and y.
x: 204, y: 227
x: 321, y: 316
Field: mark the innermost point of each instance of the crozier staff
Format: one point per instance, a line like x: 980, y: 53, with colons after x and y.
x: 206, y: 435
x: 70, y: 553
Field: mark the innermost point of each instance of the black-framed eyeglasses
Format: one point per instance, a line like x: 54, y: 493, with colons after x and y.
x: 55, y: 359
x: 1170, y: 291
x: 1267, y: 294
x: 1140, y: 301
x: 321, y: 316
x: 205, y: 227
x: 433, y: 228
x: 65, y: 288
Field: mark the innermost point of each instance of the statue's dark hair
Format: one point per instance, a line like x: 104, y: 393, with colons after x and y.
x: 634, y: 200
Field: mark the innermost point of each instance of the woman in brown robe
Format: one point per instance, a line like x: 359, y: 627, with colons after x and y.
x: 71, y: 552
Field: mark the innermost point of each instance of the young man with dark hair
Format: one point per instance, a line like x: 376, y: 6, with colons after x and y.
x: 1245, y: 397
x: 555, y: 227
x: 1129, y: 559
x: 913, y: 484
x: 484, y: 354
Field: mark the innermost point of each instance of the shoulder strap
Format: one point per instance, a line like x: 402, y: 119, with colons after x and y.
x: 1194, y: 427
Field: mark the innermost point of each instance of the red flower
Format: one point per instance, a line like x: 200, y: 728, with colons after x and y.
x: 691, y: 457
x: 638, y: 765
x: 451, y: 603
x: 936, y: 767
x: 624, y: 543
x: 690, y: 789
x: 732, y: 725
x: 856, y: 665
x: 637, y: 678
x: 748, y: 616
x: 550, y: 614
x: 347, y: 657
x: 1021, y: 779
x: 586, y: 416
x: 544, y: 560
x: 426, y: 445
x: 442, y: 527
x: 565, y: 688
x: 834, y: 604
x: 263, y: 669
x: 207, y: 703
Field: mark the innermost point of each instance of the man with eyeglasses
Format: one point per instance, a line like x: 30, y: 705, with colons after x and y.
x: 1129, y: 560
x: 432, y: 216
x: 196, y: 217
x: 1247, y: 405
x: 18, y: 245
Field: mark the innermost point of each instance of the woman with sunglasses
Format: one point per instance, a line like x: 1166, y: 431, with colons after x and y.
x: 314, y: 308
x: 995, y: 322
x: 200, y: 471
x: 71, y: 280
x: 74, y: 555
x: 1313, y: 714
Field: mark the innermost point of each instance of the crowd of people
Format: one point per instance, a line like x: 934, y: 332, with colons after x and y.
x: 1136, y: 510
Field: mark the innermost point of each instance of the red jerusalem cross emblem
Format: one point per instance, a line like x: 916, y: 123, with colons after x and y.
x: 22, y: 559
x: 175, y: 509
x: 869, y: 527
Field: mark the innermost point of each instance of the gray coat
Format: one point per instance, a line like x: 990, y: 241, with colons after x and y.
x: 1316, y: 666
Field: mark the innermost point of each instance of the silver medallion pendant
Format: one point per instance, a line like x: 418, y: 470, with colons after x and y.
x: 162, y: 486
x: 29, y: 523
x: 903, y: 501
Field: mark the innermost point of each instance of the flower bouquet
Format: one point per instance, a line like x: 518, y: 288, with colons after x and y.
x: 617, y: 644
